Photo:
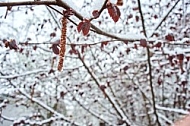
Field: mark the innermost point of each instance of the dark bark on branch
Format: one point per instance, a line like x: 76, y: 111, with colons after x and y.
x: 103, y: 91
x: 8, y: 4
x: 149, y: 65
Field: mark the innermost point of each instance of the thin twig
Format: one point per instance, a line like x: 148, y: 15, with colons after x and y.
x: 175, y: 110
x: 86, y: 109
x: 164, y: 18
x: 50, y: 12
x: 150, y: 66
x: 40, y: 103
x: 101, y: 10
x: 9, y: 119
x: 23, y: 3
x: 103, y: 7
x: 142, y: 18
x: 23, y: 74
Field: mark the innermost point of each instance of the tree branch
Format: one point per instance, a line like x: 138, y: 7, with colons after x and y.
x: 149, y: 65
x: 164, y: 18
x: 97, y: 30
x: 77, y: 14
x: 40, y: 103
x: 142, y: 18
x: 10, y: 119
x: 180, y: 111
x: 44, y: 122
x: 115, y: 106
x: 45, y: 106
x: 22, y: 3
x: 23, y: 74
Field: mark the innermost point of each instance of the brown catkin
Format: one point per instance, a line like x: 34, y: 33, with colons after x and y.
x: 62, y: 43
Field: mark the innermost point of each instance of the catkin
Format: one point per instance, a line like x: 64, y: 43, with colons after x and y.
x: 62, y: 43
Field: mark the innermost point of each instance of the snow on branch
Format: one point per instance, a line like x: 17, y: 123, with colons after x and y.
x: 96, y: 29
x: 165, y: 118
x: 24, y: 74
x: 40, y: 103
x: 181, y: 111
x: 25, y: 121
x: 105, y: 92
x: 164, y: 18
x: 85, y: 108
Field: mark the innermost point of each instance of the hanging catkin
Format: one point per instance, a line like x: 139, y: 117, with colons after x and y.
x: 62, y: 43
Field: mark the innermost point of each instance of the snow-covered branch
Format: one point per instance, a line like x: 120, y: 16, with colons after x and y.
x: 164, y: 18
x: 26, y: 121
x: 181, y: 111
x: 86, y: 109
x: 46, y: 107
x: 23, y: 74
